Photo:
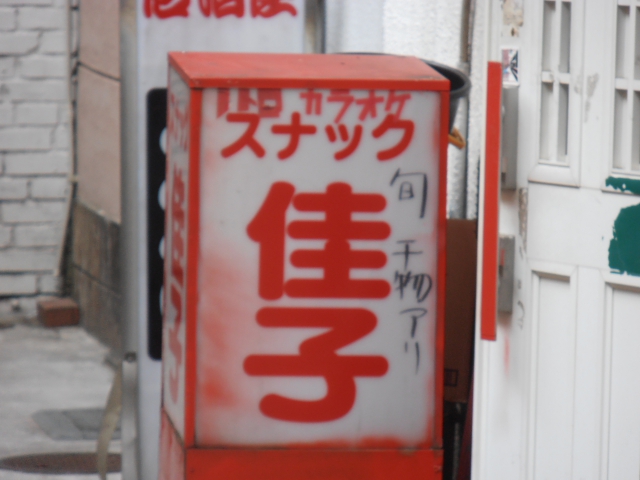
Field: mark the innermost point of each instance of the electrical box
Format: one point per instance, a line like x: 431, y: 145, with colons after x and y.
x: 304, y: 284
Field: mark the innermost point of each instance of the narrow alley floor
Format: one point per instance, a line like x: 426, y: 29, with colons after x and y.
x: 46, y: 374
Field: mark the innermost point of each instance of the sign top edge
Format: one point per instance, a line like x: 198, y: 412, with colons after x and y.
x: 260, y: 70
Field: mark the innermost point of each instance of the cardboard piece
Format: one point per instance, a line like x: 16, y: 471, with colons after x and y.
x: 460, y: 308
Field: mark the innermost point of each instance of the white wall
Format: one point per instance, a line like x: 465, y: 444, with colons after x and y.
x: 35, y: 143
x: 427, y: 29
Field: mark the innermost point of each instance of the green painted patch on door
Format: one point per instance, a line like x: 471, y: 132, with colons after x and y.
x: 630, y: 185
x: 624, y: 248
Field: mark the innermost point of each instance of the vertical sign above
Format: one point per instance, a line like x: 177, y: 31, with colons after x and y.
x: 221, y: 25
x: 149, y: 30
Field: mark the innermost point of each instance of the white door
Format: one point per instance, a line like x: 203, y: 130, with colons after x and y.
x: 557, y: 396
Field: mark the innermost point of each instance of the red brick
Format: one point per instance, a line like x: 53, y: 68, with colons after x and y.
x: 58, y: 312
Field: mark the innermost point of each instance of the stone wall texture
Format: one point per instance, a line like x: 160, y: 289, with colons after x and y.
x: 36, y: 160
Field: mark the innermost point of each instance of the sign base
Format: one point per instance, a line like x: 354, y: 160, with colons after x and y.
x: 294, y: 464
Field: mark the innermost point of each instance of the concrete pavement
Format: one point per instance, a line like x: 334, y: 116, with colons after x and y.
x: 48, y: 369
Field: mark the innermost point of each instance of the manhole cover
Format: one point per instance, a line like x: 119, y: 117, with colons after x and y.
x: 78, y: 424
x: 69, y: 463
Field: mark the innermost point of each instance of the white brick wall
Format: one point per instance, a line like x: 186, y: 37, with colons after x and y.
x: 35, y: 143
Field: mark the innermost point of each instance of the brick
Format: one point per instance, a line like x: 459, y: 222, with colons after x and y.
x: 7, y: 67
x: 48, y: 284
x: 35, y: 90
x: 62, y: 137
x: 7, y: 19
x: 18, y: 43
x: 43, y: 66
x: 5, y: 235
x: 58, y: 312
x: 30, y: 18
x: 74, y: 28
x: 64, y: 115
x: 28, y: 260
x: 36, y: 113
x: 33, y: 212
x: 48, y: 235
x: 18, y: 285
x: 54, y: 42
x: 49, y: 188
x: 37, y: 163
x: 26, y: 138
x: 6, y: 114
x: 13, y: 188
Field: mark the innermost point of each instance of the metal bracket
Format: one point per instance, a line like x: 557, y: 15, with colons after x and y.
x: 509, y: 157
x: 506, y: 264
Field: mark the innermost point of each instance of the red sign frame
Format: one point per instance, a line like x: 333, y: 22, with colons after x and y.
x: 211, y: 70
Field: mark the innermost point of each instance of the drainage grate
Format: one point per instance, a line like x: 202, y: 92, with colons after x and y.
x: 59, y: 463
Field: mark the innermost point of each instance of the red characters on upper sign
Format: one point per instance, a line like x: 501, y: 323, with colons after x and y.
x: 344, y: 131
x: 166, y: 8
x: 318, y: 357
x: 218, y: 8
x: 248, y: 137
x: 294, y: 130
x: 222, y: 8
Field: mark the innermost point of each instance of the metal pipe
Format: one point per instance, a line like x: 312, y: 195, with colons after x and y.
x: 130, y: 263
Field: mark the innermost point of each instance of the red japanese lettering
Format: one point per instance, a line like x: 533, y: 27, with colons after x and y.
x: 247, y: 138
x: 344, y: 97
x: 222, y: 8
x: 369, y: 105
x: 271, y: 8
x: 178, y: 125
x: 178, y: 222
x: 174, y: 343
x: 294, y: 130
x: 392, y: 122
x: 313, y: 101
x: 344, y: 136
x: 269, y: 102
x: 166, y: 8
x: 399, y: 99
x: 244, y: 100
x: 177, y: 254
x: 317, y: 358
x: 268, y: 229
x: 337, y: 258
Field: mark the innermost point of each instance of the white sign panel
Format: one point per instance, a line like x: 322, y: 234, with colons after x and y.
x: 317, y: 267
x: 175, y: 299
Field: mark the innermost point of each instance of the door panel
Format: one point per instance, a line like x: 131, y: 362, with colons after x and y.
x: 622, y: 385
x: 553, y: 370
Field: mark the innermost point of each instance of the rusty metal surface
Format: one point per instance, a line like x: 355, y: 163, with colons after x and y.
x: 58, y: 463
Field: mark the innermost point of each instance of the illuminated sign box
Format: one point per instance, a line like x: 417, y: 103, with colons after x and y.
x: 304, y: 274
